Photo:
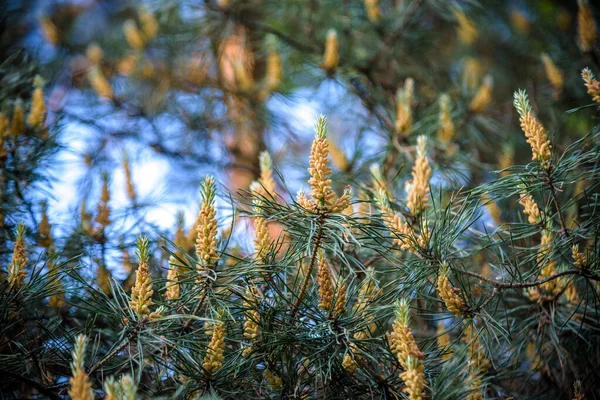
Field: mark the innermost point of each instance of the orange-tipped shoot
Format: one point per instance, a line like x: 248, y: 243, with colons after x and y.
x: 586, y: 27
x: 536, y: 135
x: 450, y: 295
x: 16, y: 268
x: 213, y: 361
x: 417, y: 190
x: 141, y: 293
x: 80, y: 385
x: 206, y: 229
x: 331, y: 57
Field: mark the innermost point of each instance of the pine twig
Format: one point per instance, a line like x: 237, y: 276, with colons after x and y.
x: 132, y: 335
x: 311, y: 266
x: 198, y: 305
x: 523, y: 285
x: 563, y: 225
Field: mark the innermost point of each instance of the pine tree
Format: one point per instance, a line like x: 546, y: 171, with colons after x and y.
x: 423, y: 260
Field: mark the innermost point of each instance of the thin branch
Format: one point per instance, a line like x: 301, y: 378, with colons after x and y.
x: 311, y: 266
x: 488, y: 299
x: 556, y: 205
x: 132, y: 335
x: 522, y: 285
x: 198, y: 305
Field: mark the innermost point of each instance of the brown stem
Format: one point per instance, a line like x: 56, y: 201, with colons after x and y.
x: 489, y: 298
x: 112, y: 354
x: 199, y: 304
x: 204, y: 289
x: 522, y: 285
x: 311, y: 266
x: 109, y: 357
x: 555, y: 201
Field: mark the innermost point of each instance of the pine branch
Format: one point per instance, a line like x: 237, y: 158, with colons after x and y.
x: 132, y: 336
x: 204, y: 289
x: 523, y: 285
x: 550, y: 182
x: 311, y: 266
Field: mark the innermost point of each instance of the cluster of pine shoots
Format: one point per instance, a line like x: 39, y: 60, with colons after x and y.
x: 326, y: 300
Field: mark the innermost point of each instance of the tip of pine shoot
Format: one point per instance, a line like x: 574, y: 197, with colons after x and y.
x: 265, y: 161
x: 382, y: 199
x: 207, y: 189
x: 143, y: 248
x: 587, y: 74
x: 180, y: 217
x: 404, y: 94
x: 321, y: 127
x: 444, y: 269
x: 421, y: 146
x: 38, y: 81
x: 105, y: 177
x: 444, y: 100
x: 21, y: 229
x: 271, y: 42
x: 401, y: 309
x: 521, y: 102
x: 79, y: 353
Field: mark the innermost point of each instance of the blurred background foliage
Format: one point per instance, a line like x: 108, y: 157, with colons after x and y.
x: 208, y: 85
